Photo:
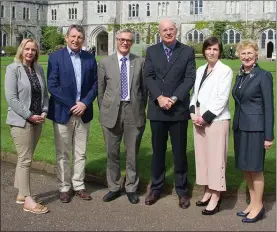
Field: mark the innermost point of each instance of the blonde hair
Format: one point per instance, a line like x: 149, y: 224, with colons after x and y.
x: 18, y: 57
x: 249, y: 43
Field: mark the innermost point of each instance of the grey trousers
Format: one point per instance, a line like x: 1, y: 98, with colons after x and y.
x: 25, y: 140
x: 71, y: 136
x: 125, y: 127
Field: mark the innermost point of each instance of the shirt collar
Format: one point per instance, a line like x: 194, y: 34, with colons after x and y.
x: 119, y: 56
x: 71, y: 52
x: 171, y: 47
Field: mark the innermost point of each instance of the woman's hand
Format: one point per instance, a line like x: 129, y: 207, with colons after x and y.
x: 200, y: 121
x: 37, y: 119
x: 267, y: 144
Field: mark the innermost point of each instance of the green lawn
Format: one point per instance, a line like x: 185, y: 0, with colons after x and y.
x: 96, y: 156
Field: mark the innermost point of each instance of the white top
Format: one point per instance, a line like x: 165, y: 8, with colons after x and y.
x: 214, y: 92
x: 119, y: 56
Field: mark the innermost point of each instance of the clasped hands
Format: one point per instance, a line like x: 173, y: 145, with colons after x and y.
x: 165, y: 102
x: 37, y: 119
x: 78, y: 109
x: 197, y: 120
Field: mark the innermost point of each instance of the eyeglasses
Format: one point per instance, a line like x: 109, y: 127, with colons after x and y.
x: 124, y: 40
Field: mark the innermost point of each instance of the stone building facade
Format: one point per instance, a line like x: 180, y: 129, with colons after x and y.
x: 20, y: 19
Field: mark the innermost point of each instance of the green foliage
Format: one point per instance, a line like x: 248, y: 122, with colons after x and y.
x: 219, y: 28
x: 201, y: 25
x: 226, y: 51
x: 10, y: 50
x: 51, y: 38
x: 197, y: 46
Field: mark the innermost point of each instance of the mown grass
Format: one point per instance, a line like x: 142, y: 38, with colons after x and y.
x: 96, y: 155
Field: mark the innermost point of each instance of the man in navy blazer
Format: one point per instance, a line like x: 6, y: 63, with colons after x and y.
x: 72, y: 83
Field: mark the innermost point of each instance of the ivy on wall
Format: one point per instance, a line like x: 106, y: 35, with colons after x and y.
x: 250, y: 29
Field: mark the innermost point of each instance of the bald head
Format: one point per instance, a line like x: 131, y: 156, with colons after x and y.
x: 168, y: 31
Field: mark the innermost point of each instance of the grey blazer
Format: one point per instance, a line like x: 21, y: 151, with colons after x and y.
x: 18, y: 93
x: 109, y: 90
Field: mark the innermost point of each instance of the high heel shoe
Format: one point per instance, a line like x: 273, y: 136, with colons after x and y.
x: 242, y: 214
x: 203, y: 203
x: 211, y: 212
x: 255, y: 219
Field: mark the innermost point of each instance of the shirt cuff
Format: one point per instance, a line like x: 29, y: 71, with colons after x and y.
x: 208, y: 117
x: 192, y: 109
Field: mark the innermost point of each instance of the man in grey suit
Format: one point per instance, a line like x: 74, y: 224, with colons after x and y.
x: 122, y: 99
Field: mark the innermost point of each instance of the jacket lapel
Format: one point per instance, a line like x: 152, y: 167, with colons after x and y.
x: 38, y: 72
x: 248, y: 80
x: 115, y: 67
x: 234, y: 90
x: 83, y: 70
x: 69, y: 66
x: 132, y: 69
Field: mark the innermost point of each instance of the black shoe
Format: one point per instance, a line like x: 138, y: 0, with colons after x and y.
x: 203, y: 203
x: 255, y: 219
x: 242, y: 214
x: 133, y: 197
x: 111, y: 196
x: 211, y: 212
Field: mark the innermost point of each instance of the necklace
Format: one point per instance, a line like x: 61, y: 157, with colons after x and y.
x: 242, y: 81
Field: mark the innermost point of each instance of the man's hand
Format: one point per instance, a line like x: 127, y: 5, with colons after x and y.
x: 36, y: 119
x: 165, y: 102
x: 267, y: 144
x: 78, y: 109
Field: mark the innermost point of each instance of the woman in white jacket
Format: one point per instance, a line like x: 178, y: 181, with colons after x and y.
x: 211, y: 120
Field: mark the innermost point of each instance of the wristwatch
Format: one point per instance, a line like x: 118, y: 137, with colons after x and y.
x: 174, y: 98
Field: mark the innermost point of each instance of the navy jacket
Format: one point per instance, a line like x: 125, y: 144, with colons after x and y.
x: 62, y: 85
x: 254, y: 110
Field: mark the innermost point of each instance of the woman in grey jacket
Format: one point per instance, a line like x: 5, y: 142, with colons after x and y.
x: 27, y: 99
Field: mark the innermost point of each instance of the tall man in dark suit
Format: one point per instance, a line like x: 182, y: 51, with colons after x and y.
x: 122, y: 99
x: 169, y: 76
x: 72, y: 83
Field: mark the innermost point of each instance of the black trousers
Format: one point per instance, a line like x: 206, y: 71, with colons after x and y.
x: 178, y: 135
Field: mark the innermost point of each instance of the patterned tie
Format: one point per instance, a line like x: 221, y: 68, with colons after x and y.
x: 124, y: 78
x: 168, y: 53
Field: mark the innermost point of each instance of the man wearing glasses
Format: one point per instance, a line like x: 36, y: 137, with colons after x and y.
x: 122, y: 98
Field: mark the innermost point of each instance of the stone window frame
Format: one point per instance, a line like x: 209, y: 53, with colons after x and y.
x: 196, y: 7
x: 230, y: 36
x: 195, y: 35
x: 133, y: 10
x: 72, y: 13
x: 2, y: 11
x: 101, y: 7
x: 148, y: 12
x: 265, y: 37
x: 54, y: 14
x: 3, y: 34
x: 163, y: 8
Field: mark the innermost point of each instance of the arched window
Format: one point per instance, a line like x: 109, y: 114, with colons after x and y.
x: 166, y: 8
x: 231, y: 36
x: 179, y: 8
x: 101, y: 7
x: 105, y: 8
x: 159, y: 9
x: 2, y: 11
x: 133, y: 10
x: 137, y: 10
x: 270, y: 34
x: 158, y: 38
x: 69, y: 13
x: 263, y: 40
x: 24, y: 13
x: 13, y: 12
x: 3, y: 39
x: 137, y: 38
x: 130, y: 10
x: 195, y: 35
x: 148, y: 9
x: 163, y: 8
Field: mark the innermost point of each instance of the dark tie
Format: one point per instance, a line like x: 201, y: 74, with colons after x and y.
x: 168, y: 52
x: 124, y: 78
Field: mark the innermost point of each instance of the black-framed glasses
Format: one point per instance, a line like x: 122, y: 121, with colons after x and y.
x: 121, y: 40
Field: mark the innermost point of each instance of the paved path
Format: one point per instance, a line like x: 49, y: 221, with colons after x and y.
x: 118, y: 215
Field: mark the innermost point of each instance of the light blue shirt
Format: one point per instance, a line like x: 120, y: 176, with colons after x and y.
x: 171, y: 47
x: 76, y: 62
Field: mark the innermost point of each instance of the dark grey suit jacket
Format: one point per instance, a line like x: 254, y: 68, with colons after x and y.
x: 109, y: 90
x: 254, y: 110
x: 18, y: 93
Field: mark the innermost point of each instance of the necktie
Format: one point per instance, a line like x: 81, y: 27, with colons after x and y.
x: 124, y: 80
x: 168, y: 53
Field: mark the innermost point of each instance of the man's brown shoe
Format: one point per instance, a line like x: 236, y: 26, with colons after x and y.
x: 83, y: 194
x: 65, y: 197
x: 152, y: 198
x: 184, y: 202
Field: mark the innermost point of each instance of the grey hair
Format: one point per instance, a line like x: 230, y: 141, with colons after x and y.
x: 124, y: 30
x: 79, y: 28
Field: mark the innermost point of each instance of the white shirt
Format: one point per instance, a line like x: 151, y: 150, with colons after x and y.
x: 119, y: 56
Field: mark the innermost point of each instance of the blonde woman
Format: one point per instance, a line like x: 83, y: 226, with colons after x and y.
x: 27, y: 99
x: 211, y: 120
x: 252, y: 125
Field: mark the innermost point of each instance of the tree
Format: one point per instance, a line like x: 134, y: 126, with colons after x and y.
x: 51, y: 38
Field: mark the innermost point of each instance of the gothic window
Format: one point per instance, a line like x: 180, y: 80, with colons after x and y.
x: 195, y: 36
x: 3, y: 39
x: 263, y: 40
x: 270, y: 34
x: 196, y: 7
x: 148, y: 9
x: 179, y: 8
x: 28, y: 13
x: 38, y: 14
x: 159, y: 9
x: 133, y: 10
x: 13, y: 12
x: 2, y: 11
x: 24, y: 13
x: 54, y: 14
x: 137, y: 38
x: 231, y: 36
x: 101, y: 7
x: 69, y: 13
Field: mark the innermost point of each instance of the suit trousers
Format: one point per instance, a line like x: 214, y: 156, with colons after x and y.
x: 71, y: 136
x: 211, y: 147
x: 125, y: 127
x: 178, y: 135
x: 25, y: 140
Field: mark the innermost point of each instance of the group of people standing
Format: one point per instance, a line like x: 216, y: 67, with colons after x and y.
x: 125, y: 85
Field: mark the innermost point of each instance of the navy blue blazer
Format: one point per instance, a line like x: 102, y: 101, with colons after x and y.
x: 63, y: 89
x: 254, y: 110
x: 174, y: 78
